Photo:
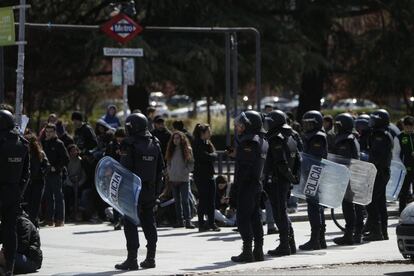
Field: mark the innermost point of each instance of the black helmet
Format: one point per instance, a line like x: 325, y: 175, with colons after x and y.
x: 136, y: 123
x: 344, y: 122
x: 6, y: 120
x: 312, y: 121
x: 276, y: 119
x: 379, y: 119
x: 252, y: 120
x: 364, y: 117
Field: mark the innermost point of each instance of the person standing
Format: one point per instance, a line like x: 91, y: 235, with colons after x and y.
x: 141, y: 154
x: 204, y: 157
x: 161, y: 132
x: 347, y: 146
x: 58, y: 158
x: 180, y: 163
x: 39, y: 165
x: 316, y: 145
x: 406, y: 140
x: 85, y: 137
x: 380, y: 154
x: 283, y: 167
x: 15, y: 173
x: 250, y: 156
x: 110, y: 117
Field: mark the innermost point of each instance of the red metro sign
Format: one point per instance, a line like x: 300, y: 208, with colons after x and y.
x: 122, y: 28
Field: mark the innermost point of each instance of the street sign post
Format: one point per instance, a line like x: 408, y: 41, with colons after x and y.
x: 121, y: 28
x: 123, y: 73
x: 7, y: 34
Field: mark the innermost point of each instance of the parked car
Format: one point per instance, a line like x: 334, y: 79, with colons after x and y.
x: 354, y: 104
x: 184, y: 112
x: 405, y: 232
x: 179, y: 100
x: 157, y: 97
x: 160, y: 109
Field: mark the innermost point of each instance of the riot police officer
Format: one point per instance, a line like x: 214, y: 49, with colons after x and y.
x: 363, y: 129
x: 380, y: 154
x: 141, y: 154
x: 251, y: 150
x: 14, y: 171
x: 347, y: 145
x: 315, y: 144
x: 283, y: 166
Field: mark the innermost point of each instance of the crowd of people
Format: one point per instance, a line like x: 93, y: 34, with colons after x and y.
x: 184, y: 183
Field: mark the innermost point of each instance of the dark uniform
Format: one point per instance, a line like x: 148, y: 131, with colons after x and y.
x: 406, y: 140
x: 283, y: 166
x: 315, y: 144
x: 347, y: 145
x: 141, y: 154
x: 251, y: 152
x: 364, y: 132
x: 85, y: 138
x: 380, y: 154
x: 15, y: 172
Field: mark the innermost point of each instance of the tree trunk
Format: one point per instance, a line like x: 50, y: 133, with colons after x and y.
x: 311, y: 92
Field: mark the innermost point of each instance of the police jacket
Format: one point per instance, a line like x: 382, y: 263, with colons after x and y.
x: 142, y: 155
x: 85, y: 138
x: 346, y: 145
x: 283, y: 160
x: 14, y: 161
x: 298, y: 139
x: 315, y: 143
x: 204, y: 157
x: 251, y: 154
x: 363, y: 140
x: 407, y: 149
x: 380, y: 148
x: 28, y: 241
x: 56, y: 154
x: 163, y: 135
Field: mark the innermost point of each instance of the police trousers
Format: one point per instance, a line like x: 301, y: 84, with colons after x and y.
x: 354, y: 216
x: 145, y: 207
x: 9, y: 205
x: 278, y: 197
x: 377, y: 209
x: 316, y: 215
x: 249, y: 215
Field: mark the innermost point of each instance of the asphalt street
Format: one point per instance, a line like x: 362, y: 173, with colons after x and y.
x: 93, y: 249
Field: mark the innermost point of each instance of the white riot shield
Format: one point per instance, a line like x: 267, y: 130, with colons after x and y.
x: 398, y: 172
x: 362, y: 180
x: 322, y: 181
x: 118, y: 187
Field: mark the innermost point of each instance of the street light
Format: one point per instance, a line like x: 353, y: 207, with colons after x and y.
x: 245, y: 99
x: 411, y: 99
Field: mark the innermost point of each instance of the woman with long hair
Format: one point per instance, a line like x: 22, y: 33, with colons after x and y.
x: 38, y: 168
x: 204, y: 156
x: 180, y: 163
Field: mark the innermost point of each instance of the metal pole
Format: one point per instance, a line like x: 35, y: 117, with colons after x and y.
x: 125, y: 91
x: 258, y: 71
x: 228, y: 87
x: 20, y: 63
x: 235, y: 68
x: 1, y: 75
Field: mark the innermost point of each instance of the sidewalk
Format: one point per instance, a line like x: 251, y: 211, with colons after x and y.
x: 94, y: 249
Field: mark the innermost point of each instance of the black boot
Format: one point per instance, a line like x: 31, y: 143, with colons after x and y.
x: 357, y: 237
x: 292, y: 243
x: 246, y: 256
x: 258, y: 251
x: 322, y: 240
x: 346, y: 239
x: 313, y: 243
x: 149, y: 261
x: 130, y: 263
x: 283, y: 249
x: 375, y: 234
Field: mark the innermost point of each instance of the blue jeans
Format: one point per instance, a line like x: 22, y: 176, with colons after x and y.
x: 180, y: 192
x: 55, y: 209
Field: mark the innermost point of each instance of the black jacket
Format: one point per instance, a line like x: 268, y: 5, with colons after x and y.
x: 85, y: 138
x: 56, y: 154
x: 163, y: 135
x: 204, y: 157
x: 28, y: 241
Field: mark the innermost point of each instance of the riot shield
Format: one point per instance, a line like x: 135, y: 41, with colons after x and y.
x: 398, y: 172
x: 118, y: 187
x: 322, y: 181
x: 362, y: 180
